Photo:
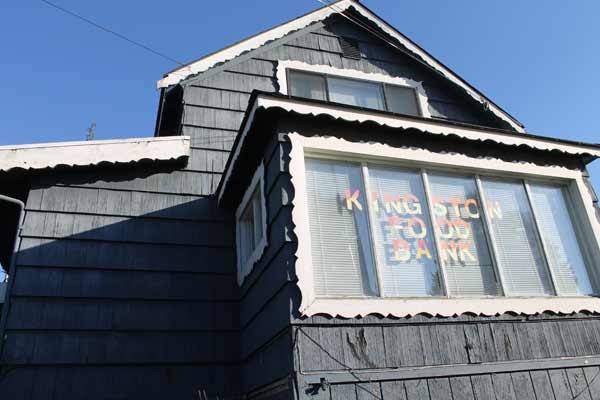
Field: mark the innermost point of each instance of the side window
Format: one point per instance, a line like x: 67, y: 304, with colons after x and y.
x: 251, y: 226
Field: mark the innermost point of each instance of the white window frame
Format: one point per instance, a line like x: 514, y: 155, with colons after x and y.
x: 245, y: 268
x: 283, y: 67
x: 332, y: 147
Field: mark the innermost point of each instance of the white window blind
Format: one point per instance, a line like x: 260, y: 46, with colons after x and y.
x: 356, y: 93
x: 311, y: 86
x: 519, y: 251
x: 339, y: 233
x: 489, y: 236
x: 403, y: 238
x: 558, y: 233
x: 464, y: 249
x: 402, y: 100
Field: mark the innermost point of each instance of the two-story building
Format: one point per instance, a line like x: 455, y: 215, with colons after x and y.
x: 326, y: 211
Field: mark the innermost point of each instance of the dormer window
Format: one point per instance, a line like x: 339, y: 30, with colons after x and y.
x: 355, y: 88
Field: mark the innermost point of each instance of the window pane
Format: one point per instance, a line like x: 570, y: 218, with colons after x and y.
x: 402, y: 235
x: 247, y: 234
x: 311, y: 86
x: 357, y: 93
x: 402, y: 100
x: 257, y: 222
x: 464, y: 249
x: 519, y: 252
x: 564, y: 254
x: 339, y: 231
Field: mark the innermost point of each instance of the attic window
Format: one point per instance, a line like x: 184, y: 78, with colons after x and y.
x: 352, y: 87
x: 350, y: 48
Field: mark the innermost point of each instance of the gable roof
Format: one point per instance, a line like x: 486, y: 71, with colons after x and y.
x: 403, y: 43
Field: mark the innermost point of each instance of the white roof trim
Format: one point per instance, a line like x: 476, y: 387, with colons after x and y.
x: 85, y: 153
x: 346, y: 113
x: 278, y: 32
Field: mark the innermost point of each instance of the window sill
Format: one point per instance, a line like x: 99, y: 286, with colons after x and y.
x: 447, y: 307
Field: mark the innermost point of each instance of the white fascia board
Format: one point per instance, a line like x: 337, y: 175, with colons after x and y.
x: 395, y: 121
x: 278, y: 32
x: 425, y: 125
x: 85, y: 153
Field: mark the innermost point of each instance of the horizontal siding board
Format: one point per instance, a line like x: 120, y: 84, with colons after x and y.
x: 210, y: 138
x: 237, y: 82
x: 118, y: 382
x: 174, y: 182
x: 126, y: 229
x: 213, y: 118
x: 207, y: 160
x: 217, y: 98
x: 127, y: 315
x: 127, y: 203
x: 131, y: 256
x: 72, y: 282
x: 254, y: 67
x: 118, y: 348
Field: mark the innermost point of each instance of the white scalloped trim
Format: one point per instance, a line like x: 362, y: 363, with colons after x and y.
x: 399, y: 307
x: 93, y: 152
x: 300, y: 106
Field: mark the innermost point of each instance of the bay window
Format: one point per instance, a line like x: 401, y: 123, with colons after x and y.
x: 380, y: 230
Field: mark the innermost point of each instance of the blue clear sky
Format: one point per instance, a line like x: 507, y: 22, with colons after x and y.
x: 537, y: 59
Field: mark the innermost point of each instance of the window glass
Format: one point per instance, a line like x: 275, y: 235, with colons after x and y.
x: 464, y: 249
x: 250, y: 227
x: 310, y: 86
x: 339, y: 231
x: 403, y: 238
x: 519, y: 252
x: 356, y: 93
x: 402, y: 100
x: 558, y: 233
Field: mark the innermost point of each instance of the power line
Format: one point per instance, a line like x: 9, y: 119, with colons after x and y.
x: 107, y: 30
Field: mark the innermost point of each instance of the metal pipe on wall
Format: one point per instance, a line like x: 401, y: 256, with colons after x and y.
x: 12, y: 267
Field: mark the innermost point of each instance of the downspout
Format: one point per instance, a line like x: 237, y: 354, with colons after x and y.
x: 11, y: 269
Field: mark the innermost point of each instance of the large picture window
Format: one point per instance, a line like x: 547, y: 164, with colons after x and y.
x: 388, y: 231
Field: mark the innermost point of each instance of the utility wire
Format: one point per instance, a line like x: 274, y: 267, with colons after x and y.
x: 107, y: 30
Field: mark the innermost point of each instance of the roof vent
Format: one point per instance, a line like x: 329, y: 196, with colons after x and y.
x: 350, y: 48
